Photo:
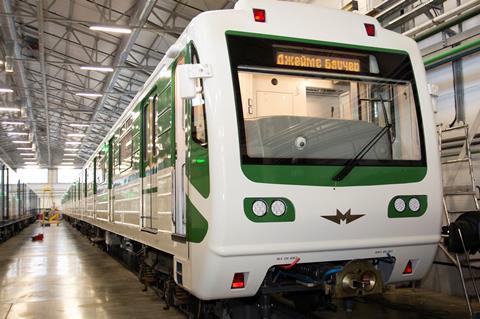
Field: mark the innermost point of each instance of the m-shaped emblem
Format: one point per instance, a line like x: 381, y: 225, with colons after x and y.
x: 348, y: 217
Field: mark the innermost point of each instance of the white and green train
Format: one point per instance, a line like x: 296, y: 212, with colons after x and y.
x: 276, y: 146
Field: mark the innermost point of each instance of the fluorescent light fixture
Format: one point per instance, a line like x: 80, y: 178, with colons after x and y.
x: 111, y: 29
x: 70, y: 155
x: 5, y: 90
x: 79, y: 125
x: 76, y: 135
x: 25, y: 148
x: 73, y: 143
x: 17, y: 133
x: 32, y: 166
x: 31, y: 163
x: 71, y: 149
x: 66, y: 164
x: 85, y: 94
x: 27, y: 154
x: 13, y: 123
x: 99, y: 68
x: 21, y: 142
x: 9, y: 109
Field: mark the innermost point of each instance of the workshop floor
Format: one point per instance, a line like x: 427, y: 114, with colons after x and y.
x: 64, y: 276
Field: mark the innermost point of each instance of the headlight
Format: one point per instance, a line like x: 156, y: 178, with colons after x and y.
x: 368, y: 280
x: 278, y: 208
x: 414, y: 204
x: 399, y: 205
x: 259, y: 208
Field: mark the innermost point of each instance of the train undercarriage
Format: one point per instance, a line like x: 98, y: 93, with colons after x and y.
x: 304, y: 287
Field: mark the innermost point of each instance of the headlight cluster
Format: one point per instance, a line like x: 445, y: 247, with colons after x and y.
x: 260, y: 208
x: 400, y: 204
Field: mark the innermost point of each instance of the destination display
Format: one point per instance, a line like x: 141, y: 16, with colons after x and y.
x: 320, y: 62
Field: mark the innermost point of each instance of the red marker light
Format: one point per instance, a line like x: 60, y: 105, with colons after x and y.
x: 370, y: 28
x: 238, y: 281
x: 408, y: 268
x: 259, y: 15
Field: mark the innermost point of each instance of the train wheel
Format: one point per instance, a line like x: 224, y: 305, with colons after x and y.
x: 307, y: 302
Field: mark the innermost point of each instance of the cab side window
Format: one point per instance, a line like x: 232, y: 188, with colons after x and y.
x: 199, y: 119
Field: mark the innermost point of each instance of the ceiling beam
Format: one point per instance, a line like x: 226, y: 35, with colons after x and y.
x: 10, y: 37
x: 142, y: 11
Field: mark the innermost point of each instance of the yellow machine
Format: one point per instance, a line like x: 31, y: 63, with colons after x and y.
x: 49, y: 215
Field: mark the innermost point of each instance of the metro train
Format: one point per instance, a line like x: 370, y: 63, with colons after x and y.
x: 278, y: 147
x: 18, y: 203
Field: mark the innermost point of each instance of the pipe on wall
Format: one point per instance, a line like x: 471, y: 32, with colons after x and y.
x: 452, y: 54
x: 443, y: 17
x: 459, y: 19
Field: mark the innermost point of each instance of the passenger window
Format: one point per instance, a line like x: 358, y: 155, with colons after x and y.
x: 199, y: 119
x: 101, y: 168
x: 126, y: 146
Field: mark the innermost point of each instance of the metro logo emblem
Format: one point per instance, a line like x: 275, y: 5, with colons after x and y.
x: 348, y: 217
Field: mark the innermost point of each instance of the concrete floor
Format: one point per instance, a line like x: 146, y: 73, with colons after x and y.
x: 66, y: 277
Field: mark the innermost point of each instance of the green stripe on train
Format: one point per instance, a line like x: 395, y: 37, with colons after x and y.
x: 322, y: 175
x: 197, y: 225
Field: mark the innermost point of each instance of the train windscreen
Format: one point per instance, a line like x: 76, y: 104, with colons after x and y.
x: 319, y: 104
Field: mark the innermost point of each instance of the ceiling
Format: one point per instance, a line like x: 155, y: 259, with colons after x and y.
x: 46, y: 42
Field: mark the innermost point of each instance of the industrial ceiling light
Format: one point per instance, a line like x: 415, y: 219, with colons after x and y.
x: 99, y: 68
x: 79, y: 125
x: 17, y: 133
x: 85, y: 94
x: 71, y: 149
x: 70, y: 155
x: 21, y: 142
x: 73, y: 143
x: 27, y: 154
x: 13, y: 123
x: 4, y: 89
x: 76, y: 135
x: 25, y: 148
x: 9, y: 109
x: 31, y: 163
x: 111, y: 29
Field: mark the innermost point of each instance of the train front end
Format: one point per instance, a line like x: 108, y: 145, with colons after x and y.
x: 323, y: 159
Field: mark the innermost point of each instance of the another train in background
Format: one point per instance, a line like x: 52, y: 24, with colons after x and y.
x: 19, y: 204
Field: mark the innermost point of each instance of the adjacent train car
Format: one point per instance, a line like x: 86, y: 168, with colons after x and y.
x: 278, y: 147
x: 18, y: 203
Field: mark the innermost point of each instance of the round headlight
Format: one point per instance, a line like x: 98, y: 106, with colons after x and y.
x: 259, y: 208
x: 414, y: 204
x: 399, y: 205
x: 278, y: 208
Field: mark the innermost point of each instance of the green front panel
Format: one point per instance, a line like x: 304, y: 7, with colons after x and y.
x: 269, y: 217
x: 199, y: 172
x: 197, y: 225
x: 407, y: 212
x: 322, y: 175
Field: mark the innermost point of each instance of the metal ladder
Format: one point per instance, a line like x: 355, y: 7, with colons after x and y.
x: 469, y: 190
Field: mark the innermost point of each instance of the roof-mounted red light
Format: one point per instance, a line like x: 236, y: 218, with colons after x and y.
x: 370, y: 28
x: 238, y: 280
x: 259, y: 15
x: 408, y: 268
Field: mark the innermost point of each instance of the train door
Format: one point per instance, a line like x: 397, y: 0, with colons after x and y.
x: 180, y: 170
x: 149, y: 164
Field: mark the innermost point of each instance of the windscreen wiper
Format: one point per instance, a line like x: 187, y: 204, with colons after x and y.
x: 347, y: 168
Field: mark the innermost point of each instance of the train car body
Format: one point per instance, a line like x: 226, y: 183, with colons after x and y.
x: 308, y: 143
x: 17, y: 200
